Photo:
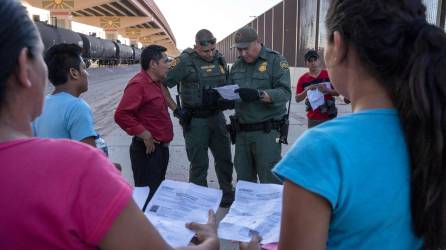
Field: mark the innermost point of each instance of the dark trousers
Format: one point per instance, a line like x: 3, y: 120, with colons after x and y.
x: 148, y: 169
x: 314, y: 123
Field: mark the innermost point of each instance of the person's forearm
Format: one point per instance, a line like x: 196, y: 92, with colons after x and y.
x: 170, y: 102
x: 333, y: 92
x: 127, y: 121
x: 280, y: 94
x: 145, y: 135
x: 300, y: 97
x: 90, y: 141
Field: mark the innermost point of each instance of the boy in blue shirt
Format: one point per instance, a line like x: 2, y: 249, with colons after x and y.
x: 65, y: 115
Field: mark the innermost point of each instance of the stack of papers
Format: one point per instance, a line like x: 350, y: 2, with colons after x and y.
x: 177, y: 203
x: 257, y: 209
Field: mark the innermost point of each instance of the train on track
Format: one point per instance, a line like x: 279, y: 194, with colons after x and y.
x: 103, y: 52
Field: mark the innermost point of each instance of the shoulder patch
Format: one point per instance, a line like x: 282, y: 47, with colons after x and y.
x: 175, y: 62
x: 284, y: 65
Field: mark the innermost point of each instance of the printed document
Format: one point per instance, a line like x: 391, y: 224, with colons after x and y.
x: 316, y: 97
x: 257, y: 209
x: 177, y: 203
x: 227, y: 92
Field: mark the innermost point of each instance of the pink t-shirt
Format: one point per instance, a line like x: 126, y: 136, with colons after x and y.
x: 57, y: 194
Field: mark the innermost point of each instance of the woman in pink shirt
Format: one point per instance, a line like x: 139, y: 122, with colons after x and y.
x: 59, y: 194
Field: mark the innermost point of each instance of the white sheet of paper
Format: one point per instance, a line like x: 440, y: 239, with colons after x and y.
x: 257, y: 209
x: 177, y: 203
x: 227, y: 92
x: 316, y: 98
x: 140, y: 195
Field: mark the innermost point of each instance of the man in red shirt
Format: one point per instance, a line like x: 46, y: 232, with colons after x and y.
x: 142, y: 113
x: 316, y: 85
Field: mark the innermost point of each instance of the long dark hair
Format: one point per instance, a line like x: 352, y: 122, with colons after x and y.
x: 408, y: 56
x: 17, y: 31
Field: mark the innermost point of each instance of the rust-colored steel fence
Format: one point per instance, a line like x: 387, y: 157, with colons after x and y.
x: 294, y: 26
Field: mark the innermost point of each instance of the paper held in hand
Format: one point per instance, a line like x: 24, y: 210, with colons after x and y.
x: 316, y: 97
x: 140, y: 195
x: 177, y: 203
x: 257, y: 209
x: 227, y: 92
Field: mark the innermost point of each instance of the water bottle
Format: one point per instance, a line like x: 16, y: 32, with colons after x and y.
x: 100, y: 144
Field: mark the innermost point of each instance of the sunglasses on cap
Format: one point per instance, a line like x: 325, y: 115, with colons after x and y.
x: 207, y: 42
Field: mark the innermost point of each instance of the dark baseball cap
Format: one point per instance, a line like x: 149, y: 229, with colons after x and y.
x: 311, y: 54
x: 244, y: 36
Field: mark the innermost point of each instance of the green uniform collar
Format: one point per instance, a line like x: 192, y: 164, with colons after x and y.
x: 263, y: 53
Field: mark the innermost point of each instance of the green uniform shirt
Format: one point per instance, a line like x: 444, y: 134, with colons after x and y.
x: 183, y: 72
x: 270, y: 73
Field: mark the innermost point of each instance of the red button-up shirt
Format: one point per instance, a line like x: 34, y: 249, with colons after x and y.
x: 143, y: 107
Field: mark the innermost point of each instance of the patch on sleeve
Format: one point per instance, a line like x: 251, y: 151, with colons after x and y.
x: 174, y: 63
x: 284, y: 65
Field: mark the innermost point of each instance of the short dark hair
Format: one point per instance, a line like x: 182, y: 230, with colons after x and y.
x: 152, y: 52
x: 17, y: 32
x: 204, y: 34
x: 59, y: 59
x: 311, y: 54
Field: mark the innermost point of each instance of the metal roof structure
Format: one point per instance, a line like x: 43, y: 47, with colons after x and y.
x: 139, y: 20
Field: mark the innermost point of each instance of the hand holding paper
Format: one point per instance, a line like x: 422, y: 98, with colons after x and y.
x: 256, y: 210
x: 228, y: 92
x: 177, y: 203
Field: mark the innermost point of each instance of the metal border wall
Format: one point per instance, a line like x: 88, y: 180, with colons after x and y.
x: 294, y: 26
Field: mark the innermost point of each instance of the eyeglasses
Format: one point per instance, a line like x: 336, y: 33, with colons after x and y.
x: 207, y: 42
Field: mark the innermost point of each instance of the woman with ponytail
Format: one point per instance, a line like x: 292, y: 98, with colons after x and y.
x: 374, y: 179
x: 59, y: 194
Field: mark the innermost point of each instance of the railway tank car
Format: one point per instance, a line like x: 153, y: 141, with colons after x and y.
x: 52, y: 36
x: 124, y: 53
x: 94, y: 49
x: 136, y: 54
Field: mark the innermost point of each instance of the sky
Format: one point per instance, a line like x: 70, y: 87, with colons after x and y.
x: 221, y: 17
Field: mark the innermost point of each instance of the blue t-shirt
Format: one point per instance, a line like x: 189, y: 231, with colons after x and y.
x: 64, y: 116
x: 360, y: 164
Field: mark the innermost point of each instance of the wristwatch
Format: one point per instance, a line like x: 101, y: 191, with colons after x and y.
x: 261, y: 94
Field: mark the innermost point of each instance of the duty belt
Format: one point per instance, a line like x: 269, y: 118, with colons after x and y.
x: 266, y: 126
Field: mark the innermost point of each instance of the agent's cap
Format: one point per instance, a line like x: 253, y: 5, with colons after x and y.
x: 244, y: 37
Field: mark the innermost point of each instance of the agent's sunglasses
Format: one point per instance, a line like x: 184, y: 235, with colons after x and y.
x: 207, y: 42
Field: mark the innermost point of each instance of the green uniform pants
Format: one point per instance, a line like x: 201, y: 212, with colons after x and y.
x: 204, y: 133
x: 256, y: 153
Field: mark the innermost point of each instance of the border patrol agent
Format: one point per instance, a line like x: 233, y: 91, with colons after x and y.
x: 264, y: 79
x: 197, y: 71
